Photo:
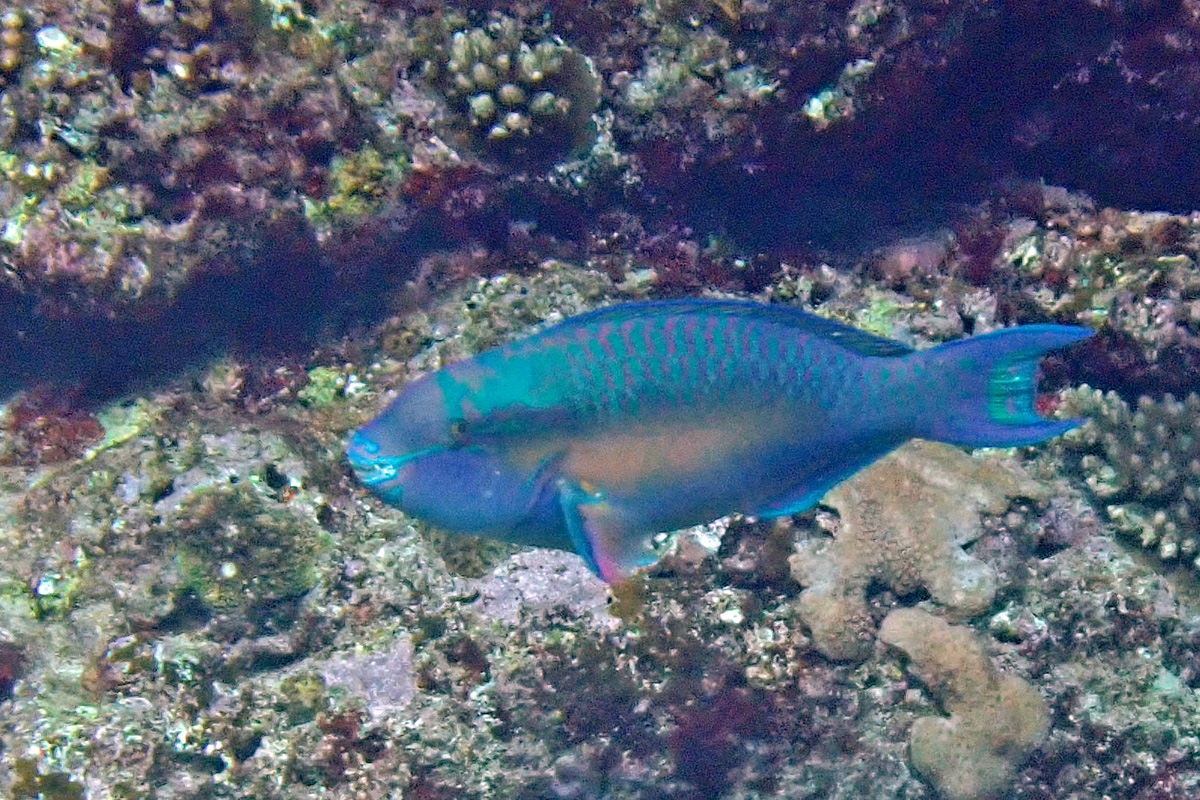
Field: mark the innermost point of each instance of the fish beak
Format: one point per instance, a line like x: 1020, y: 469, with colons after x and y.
x: 368, y: 465
x: 377, y: 470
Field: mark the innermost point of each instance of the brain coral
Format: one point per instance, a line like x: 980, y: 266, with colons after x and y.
x: 903, y: 523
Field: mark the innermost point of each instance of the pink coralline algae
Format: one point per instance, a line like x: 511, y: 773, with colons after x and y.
x: 39, y: 429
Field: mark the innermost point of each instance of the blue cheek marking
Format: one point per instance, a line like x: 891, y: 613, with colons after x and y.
x: 362, y: 442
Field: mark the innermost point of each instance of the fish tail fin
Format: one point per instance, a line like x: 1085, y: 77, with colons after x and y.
x: 982, y: 391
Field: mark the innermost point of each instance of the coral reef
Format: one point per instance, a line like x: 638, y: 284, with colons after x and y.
x: 903, y: 522
x: 127, y: 197
x: 205, y: 603
x: 995, y: 719
x: 197, y: 601
x: 532, y: 103
x: 1142, y: 464
x: 248, y: 175
x: 699, y: 73
x: 1112, y: 645
x: 1132, y: 275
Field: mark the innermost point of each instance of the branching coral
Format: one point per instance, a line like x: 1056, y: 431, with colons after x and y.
x: 1143, y: 464
x: 527, y: 101
x: 12, y: 42
x: 903, y: 523
x: 995, y: 719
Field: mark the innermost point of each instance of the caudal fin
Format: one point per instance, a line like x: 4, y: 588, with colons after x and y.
x: 982, y: 391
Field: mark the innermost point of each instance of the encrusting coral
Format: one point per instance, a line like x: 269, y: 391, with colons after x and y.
x: 903, y: 523
x: 995, y: 719
x: 1143, y: 464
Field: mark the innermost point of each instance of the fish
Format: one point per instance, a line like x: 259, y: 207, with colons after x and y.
x: 646, y: 417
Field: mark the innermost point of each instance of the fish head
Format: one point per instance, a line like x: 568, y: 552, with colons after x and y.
x: 465, y: 490
x: 416, y: 457
x: 416, y: 423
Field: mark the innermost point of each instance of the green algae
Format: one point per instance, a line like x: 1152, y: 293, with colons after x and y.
x: 360, y: 182
x: 302, y: 697
x: 881, y: 316
x: 29, y: 783
x: 121, y: 422
x: 236, y: 554
x: 54, y: 594
x: 325, y: 384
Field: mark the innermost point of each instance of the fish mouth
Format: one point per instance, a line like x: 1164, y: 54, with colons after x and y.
x: 378, y: 472
x: 372, y: 472
x: 371, y: 468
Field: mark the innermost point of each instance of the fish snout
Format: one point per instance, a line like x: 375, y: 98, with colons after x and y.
x: 368, y: 464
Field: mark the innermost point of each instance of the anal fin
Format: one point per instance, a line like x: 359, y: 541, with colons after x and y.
x: 606, y: 538
x: 804, y: 497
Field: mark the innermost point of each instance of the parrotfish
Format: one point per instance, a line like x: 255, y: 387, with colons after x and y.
x: 607, y: 428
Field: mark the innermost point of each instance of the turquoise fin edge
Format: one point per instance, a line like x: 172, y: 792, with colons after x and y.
x: 809, y: 495
x: 609, y: 546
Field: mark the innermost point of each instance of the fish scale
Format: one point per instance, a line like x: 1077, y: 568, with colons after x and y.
x: 644, y: 417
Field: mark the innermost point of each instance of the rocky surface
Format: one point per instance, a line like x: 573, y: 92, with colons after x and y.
x: 229, y: 229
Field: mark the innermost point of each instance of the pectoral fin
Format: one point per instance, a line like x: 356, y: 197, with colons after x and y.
x: 607, y: 539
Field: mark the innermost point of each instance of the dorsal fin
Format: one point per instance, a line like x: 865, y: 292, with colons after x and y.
x: 855, y: 339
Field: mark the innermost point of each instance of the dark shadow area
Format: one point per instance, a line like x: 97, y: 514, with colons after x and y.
x: 1037, y: 93
x: 1026, y: 91
x: 277, y: 307
x: 299, y: 296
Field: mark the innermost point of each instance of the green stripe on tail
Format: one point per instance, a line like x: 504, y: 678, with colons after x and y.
x: 982, y: 391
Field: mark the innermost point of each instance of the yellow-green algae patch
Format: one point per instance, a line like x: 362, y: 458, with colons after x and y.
x: 121, y: 422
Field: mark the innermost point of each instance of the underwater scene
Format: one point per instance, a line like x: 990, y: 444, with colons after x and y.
x: 625, y: 399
